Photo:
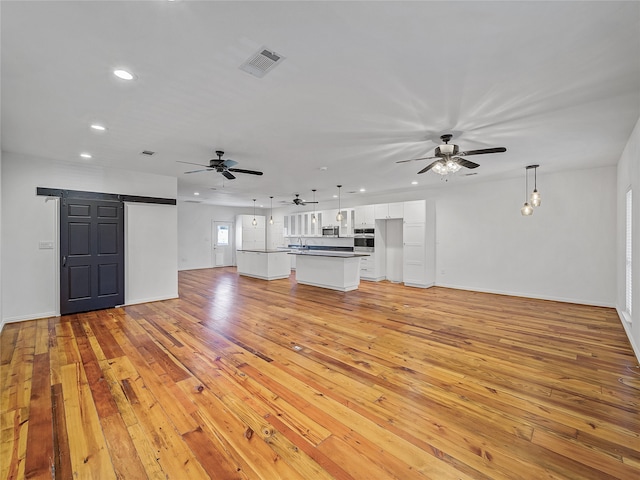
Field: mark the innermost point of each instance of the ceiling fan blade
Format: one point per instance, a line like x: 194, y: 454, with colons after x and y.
x: 466, y: 163
x: 482, y: 151
x: 228, y: 175
x: 240, y: 170
x: 229, y: 163
x: 310, y: 202
x: 203, y: 170
x: 428, y: 167
x: 415, y: 159
x: 191, y: 163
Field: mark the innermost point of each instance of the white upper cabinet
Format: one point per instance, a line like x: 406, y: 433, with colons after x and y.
x: 364, y: 216
x: 249, y: 236
x: 415, y: 211
x: 385, y: 211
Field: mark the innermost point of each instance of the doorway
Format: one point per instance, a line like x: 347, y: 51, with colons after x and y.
x: 222, y: 244
x: 91, y: 254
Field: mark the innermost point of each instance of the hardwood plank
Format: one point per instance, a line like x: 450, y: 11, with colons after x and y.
x: 87, y: 446
x: 40, y: 453
x: 62, y: 455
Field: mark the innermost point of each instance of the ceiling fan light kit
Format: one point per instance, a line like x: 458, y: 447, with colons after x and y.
x: 448, y: 157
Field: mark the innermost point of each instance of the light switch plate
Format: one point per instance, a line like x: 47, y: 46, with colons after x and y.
x: 45, y: 245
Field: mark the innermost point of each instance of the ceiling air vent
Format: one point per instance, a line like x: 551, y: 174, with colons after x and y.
x: 192, y: 201
x: 147, y: 152
x: 261, y: 62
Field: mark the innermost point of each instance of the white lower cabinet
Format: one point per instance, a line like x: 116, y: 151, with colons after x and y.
x: 372, y: 267
x: 267, y: 265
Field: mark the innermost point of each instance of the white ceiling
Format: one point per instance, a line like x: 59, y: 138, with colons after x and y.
x: 363, y: 85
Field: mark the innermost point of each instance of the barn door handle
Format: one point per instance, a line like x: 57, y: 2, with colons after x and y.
x: 64, y: 261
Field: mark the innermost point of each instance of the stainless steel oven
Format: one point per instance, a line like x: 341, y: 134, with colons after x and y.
x: 364, y: 239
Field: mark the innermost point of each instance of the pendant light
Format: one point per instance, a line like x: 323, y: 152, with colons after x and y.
x: 535, y: 199
x: 254, y: 222
x: 339, y: 216
x: 313, y: 215
x: 526, y: 209
x: 271, y: 215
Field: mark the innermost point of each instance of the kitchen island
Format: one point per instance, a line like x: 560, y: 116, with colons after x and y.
x: 328, y: 269
x: 263, y: 264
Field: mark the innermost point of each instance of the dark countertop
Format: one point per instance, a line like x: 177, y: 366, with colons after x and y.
x: 328, y: 253
x: 323, y: 248
x: 263, y: 251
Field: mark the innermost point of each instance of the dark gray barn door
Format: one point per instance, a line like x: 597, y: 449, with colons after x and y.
x: 91, y: 254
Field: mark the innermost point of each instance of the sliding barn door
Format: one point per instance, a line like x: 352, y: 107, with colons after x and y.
x: 91, y: 254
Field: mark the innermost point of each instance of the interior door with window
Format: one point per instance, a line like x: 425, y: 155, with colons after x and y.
x: 222, y: 252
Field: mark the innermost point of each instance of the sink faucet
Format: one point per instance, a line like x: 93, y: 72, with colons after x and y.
x: 301, y: 242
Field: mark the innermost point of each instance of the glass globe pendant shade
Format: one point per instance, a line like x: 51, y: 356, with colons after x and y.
x: 452, y: 166
x: 313, y: 218
x: 440, y: 168
x: 535, y: 199
x: 254, y: 222
x: 270, y: 220
x: 526, y: 209
x: 339, y: 216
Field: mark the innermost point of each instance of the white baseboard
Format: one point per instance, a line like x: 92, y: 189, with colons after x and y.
x: 419, y: 285
x: 627, y: 329
x: 138, y: 301
x: 185, y: 269
x: 528, y: 295
x: 32, y: 316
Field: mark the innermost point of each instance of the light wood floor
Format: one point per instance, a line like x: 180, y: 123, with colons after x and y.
x: 246, y: 379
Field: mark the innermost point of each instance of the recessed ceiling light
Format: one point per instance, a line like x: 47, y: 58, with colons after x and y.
x: 324, y: 169
x: 414, y: 182
x: 196, y: 193
x: 123, y: 74
x: 97, y: 127
x: 362, y: 190
x: 85, y: 155
x: 335, y: 196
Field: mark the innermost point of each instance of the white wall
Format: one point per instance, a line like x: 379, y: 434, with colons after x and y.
x: 629, y: 176
x: 1, y: 316
x: 30, y: 276
x: 564, y: 251
x: 151, y: 266
x: 194, y: 231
